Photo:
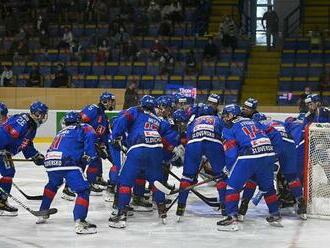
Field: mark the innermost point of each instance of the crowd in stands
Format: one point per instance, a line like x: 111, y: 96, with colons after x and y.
x: 165, y: 32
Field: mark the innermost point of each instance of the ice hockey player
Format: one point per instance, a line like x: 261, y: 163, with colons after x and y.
x: 248, y: 152
x: 213, y: 101
x: 203, y: 136
x: 145, y: 153
x: 3, y: 112
x: 16, y: 135
x: 249, y: 108
x: 95, y: 116
x: 286, y: 152
x: 316, y: 113
x: 71, y: 150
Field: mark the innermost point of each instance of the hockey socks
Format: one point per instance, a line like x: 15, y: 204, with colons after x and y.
x: 48, y: 196
x: 183, y: 195
x: 271, y: 200
x: 81, y: 206
x: 231, y: 201
x: 249, y: 190
x: 6, y: 183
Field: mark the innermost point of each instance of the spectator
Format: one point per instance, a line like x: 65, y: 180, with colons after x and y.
x: 103, y: 51
x: 325, y: 82
x: 90, y: 10
x: 35, y: 77
x: 75, y: 50
x: 101, y: 11
x: 157, y: 49
x: 228, y: 33
x: 176, y: 13
x: 44, y: 39
x: 67, y: 39
x: 116, y: 24
x: 120, y: 38
x: 40, y: 24
x: 154, y: 12
x: 126, y: 10
x: 21, y: 35
x: 301, y: 100
x: 21, y: 51
x: 316, y: 38
x: 61, y: 77
x: 141, y: 24
x: 271, y: 27
x: 7, y: 77
x: 166, y: 63
x: 210, y: 50
x: 130, y: 51
x: 191, y: 64
x: 200, y: 17
x: 166, y: 12
x: 131, y: 97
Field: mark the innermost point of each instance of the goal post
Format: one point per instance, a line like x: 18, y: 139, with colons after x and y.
x: 317, y: 170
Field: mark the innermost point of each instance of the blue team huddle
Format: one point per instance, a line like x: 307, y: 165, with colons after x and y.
x: 238, y: 148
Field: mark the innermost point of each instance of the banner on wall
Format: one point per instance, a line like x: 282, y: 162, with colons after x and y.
x: 60, y: 115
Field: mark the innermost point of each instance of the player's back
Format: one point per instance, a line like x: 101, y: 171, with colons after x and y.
x: 95, y: 116
x: 70, y: 144
x: 250, y: 137
x: 17, y: 132
x: 206, y: 127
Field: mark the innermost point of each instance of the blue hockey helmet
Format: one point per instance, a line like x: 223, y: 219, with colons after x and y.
x: 233, y: 109
x: 108, y: 100
x: 148, y: 102
x: 205, y: 110
x: 71, y: 118
x: 164, y: 101
x: 251, y: 103
x: 214, y: 98
x: 312, y: 98
x: 39, y: 112
x: 106, y: 96
x: 180, y: 116
x: 3, y: 109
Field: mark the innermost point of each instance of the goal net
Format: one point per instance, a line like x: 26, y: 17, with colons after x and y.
x: 317, y: 170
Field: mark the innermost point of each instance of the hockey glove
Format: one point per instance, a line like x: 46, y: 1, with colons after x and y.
x: 116, y: 143
x: 102, y: 151
x: 38, y: 159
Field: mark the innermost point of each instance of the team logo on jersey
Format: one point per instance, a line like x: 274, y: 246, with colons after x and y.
x: 260, y: 142
x: 53, y: 155
x: 151, y: 134
x: 203, y: 127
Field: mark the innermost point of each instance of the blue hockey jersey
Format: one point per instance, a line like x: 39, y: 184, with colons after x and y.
x: 206, y: 127
x: 247, y: 139
x: 144, y: 129
x: 69, y: 146
x: 17, y: 135
x: 95, y: 116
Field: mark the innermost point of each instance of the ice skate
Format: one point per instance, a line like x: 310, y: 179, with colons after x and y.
x: 301, y: 209
x: 68, y: 195
x: 95, y: 190
x: 84, y: 227
x: 42, y: 219
x: 243, y: 209
x: 110, y: 193
x: 180, y: 211
x: 141, y: 205
x: 102, y: 184
x: 6, y: 209
x: 118, y: 221
x: 228, y: 224
x: 162, y: 212
x: 128, y: 209
x: 274, y: 220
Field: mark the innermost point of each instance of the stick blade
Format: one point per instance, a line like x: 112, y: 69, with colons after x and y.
x: 45, y: 212
x: 162, y: 188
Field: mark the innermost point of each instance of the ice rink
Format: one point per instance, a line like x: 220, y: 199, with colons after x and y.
x: 198, y: 228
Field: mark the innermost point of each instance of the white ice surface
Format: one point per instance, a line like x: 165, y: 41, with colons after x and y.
x: 198, y: 228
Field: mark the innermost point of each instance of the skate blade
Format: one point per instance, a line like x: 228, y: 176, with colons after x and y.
x: 276, y: 224
x: 228, y: 228
x: 8, y: 214
x: 141, y: 209
x: 89, y: 231
x: 120, y: 224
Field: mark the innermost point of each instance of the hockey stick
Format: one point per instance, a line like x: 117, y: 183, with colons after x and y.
x: 33, y: 212
x: 211, y: 201
x: 29, y: 197
x: 172, y: 203
x: 167, y: 191
x: 20, y: 160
